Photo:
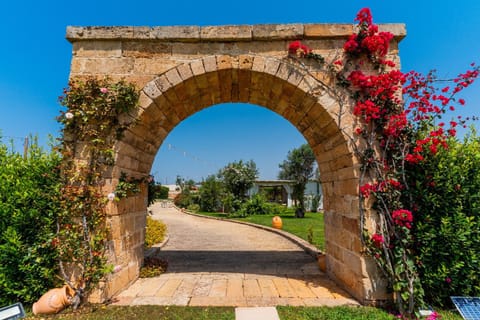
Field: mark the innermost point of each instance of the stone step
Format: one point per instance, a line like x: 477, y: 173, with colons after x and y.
x: 257, y: 313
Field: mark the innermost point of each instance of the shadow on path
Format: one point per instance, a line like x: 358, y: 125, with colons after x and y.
x: 254, y: 262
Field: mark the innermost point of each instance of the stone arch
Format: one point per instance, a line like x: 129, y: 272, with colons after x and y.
x: 282, y: 88
x: 181, y: 70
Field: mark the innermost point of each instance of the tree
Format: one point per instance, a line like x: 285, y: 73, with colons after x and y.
x: 300, y: 167
x: 185, y: 185
x: 186, y: 197
x: 238, y: 177
x: 157, y: 191
x: 211, y: 192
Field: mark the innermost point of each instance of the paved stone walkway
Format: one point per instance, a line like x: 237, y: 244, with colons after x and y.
x: 220, y: 263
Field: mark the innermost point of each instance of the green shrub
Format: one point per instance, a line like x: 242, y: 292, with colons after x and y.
x: 29, y: 193
x: 193, y: 207
x: 230, y: 204
x: 277, y: 209
x: 156, y: 192
x: 155, y: 232
x: 161, y: 192
x: 211, y: 192
x: 153, y: 267
x: 447, y: 195
x: 184, y: 200
x: 254, y: 206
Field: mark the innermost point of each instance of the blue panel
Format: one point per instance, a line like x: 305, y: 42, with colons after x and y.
x: 469, y: 307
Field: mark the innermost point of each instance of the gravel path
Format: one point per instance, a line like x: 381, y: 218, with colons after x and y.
x: 198, y: 244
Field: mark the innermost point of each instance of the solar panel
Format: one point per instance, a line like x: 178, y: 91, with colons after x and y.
x: 13, y: 312
x: 469, y: 307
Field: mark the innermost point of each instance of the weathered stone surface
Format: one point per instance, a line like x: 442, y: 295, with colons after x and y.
x: 191, y: 33
x: 277, y: 31
x: 99, y: 33
x: 146, y: 49
x: 98, y: 49
x: 265, y: 32
x: 104, y: 66
x: 327, y: 30
x: 226, y: 33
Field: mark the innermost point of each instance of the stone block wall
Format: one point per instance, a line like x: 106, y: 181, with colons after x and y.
x: 182, y: 70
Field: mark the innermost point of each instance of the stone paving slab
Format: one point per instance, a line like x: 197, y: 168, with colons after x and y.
x: 263, y: 270
x: 262, y: 313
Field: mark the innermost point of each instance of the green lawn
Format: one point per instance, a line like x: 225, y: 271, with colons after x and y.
x: 309, y: 226
x: 100, y: 312
x: 337, y: 313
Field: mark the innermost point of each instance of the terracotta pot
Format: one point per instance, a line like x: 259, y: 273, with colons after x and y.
x: 53, y: 301
x: 277, y: 222
x: 322, y: 263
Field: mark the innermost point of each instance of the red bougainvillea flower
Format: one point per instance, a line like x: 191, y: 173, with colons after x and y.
x: 366, y: 189
x: 294, y: 46
x: 367, y: 109
x: 402, y: 218
x: 395, y: 124
x: 377, y: 240
x: 414, y: 158
x: 298, y: 48
x: 351, y: 45
x: 364, y: 16
x: 378, y: 43
x: 395, y: 184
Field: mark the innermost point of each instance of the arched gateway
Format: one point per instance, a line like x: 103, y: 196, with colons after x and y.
x: 182, y: 70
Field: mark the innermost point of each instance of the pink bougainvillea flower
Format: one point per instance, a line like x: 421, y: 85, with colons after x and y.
x: 103, y: 90
x: 433, y: 316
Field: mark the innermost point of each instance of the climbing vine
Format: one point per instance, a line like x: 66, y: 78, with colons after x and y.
x: 96, y: 115
x: 398, y: 126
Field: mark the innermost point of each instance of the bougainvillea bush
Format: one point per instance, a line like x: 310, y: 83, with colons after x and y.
x: 399, y: 130
x: 29, y: 204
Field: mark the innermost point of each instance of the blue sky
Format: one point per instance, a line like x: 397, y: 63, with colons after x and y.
x: 35, y: 61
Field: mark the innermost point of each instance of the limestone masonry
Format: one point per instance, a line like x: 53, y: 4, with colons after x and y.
x: 181, y: 70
